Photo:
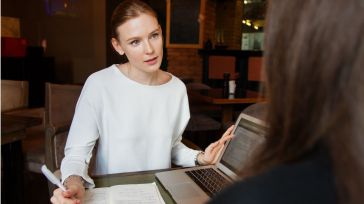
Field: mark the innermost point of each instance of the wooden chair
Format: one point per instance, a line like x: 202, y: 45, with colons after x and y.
x: 33, y: 144
x: 257, y: 110
x: 14, y: 95
x: 59, y: 110
x: 14, y: 101
x: 202, y: 125
x: 197, y: 105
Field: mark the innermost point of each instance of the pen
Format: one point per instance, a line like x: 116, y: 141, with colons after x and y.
x: 52, y: 178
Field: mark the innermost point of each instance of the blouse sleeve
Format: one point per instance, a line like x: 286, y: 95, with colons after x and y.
x: 81, y: 138
x: 182, y: 155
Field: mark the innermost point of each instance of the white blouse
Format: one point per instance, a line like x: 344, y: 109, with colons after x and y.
x: 138, y: 127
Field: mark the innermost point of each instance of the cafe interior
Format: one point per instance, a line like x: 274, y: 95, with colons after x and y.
x: 50, y: 47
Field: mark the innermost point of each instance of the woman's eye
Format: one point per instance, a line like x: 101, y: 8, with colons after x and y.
x: 135, y: 42
x: 155, y: 35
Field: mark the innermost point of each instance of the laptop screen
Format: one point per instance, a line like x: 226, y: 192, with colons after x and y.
x: 248, y: 135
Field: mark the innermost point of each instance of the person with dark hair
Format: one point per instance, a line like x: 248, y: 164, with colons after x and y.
x: 314, y: 63
x: 135, y: 111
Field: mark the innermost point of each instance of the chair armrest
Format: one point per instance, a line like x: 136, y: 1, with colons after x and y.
x: 52, y: 130
x: 29, y: 112
x: 62, y: 128
x: 51, y: 146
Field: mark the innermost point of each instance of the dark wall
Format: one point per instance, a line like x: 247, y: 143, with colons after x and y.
x: 12, y: 8
x: 75, y: 38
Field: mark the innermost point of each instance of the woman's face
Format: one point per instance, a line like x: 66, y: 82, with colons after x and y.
x: 141, y: 40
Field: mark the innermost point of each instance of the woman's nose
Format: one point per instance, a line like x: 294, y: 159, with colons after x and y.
x: 149, y: 48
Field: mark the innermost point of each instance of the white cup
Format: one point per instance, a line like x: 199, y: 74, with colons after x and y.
x: 232, y: 86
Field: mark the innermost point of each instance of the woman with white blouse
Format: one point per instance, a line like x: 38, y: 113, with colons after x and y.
x: 135, y: 111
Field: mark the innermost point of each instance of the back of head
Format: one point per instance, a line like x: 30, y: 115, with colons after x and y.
x: 126, y: 10
x: 314, y: 60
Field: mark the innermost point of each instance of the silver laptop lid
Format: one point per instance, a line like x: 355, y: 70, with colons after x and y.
x: 249, y: 133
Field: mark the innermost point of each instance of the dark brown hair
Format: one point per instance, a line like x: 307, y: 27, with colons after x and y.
x: 314, y: 63
x: 126, y: 10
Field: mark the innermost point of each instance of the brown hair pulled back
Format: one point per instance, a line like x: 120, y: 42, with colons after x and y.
x: 126, y: 10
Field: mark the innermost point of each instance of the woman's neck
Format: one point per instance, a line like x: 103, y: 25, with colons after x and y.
x: 146, y: 78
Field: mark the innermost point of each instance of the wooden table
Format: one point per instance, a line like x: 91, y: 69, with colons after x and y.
x: 215, y: 97
x: 133, y: 178
x: 12, y: 133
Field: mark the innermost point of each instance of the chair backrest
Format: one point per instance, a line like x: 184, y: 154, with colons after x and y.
x: 61, y: 101
x: 197, y: 104
x: 257, y: 110
x: 197, y: 86
x: 60, y: 106
x: 14, y: 95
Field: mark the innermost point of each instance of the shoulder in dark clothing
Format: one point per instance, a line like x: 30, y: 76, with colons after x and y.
x: 308, y: 181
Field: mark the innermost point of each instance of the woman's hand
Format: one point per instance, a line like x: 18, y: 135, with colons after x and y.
x: 213, y: 151
x: 73, y: 195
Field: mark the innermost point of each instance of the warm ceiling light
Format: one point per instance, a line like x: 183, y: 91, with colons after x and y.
x: 245, y: 2
x: 243, y: 21
x: 248, y: 23
x: 256, y: 27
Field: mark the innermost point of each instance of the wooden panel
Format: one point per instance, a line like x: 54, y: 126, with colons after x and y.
x: 255, y: 69
x: 218, y: 65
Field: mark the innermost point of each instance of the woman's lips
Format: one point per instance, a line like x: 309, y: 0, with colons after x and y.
x: 151, y: 61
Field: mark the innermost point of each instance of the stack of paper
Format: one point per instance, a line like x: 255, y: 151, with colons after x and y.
x: 132, y: 194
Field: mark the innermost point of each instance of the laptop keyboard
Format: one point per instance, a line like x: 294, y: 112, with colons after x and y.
x: 208, y: 179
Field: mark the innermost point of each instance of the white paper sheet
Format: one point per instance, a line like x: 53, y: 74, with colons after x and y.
x: 129, y: 194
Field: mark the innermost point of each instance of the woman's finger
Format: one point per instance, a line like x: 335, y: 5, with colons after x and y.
x: 214, y: 154
x: 53, y: 199
x: 211, y: 146
x: 217, y: 156
x: 228, y: 131
x: 227, y: 135
x: 223, y: 140
x: 216, y: 149
x: 68, y: 193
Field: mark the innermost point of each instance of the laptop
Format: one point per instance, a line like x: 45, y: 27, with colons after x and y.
x: 198, y: 184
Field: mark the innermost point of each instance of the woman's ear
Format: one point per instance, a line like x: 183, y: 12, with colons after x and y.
x: 117, y: 47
